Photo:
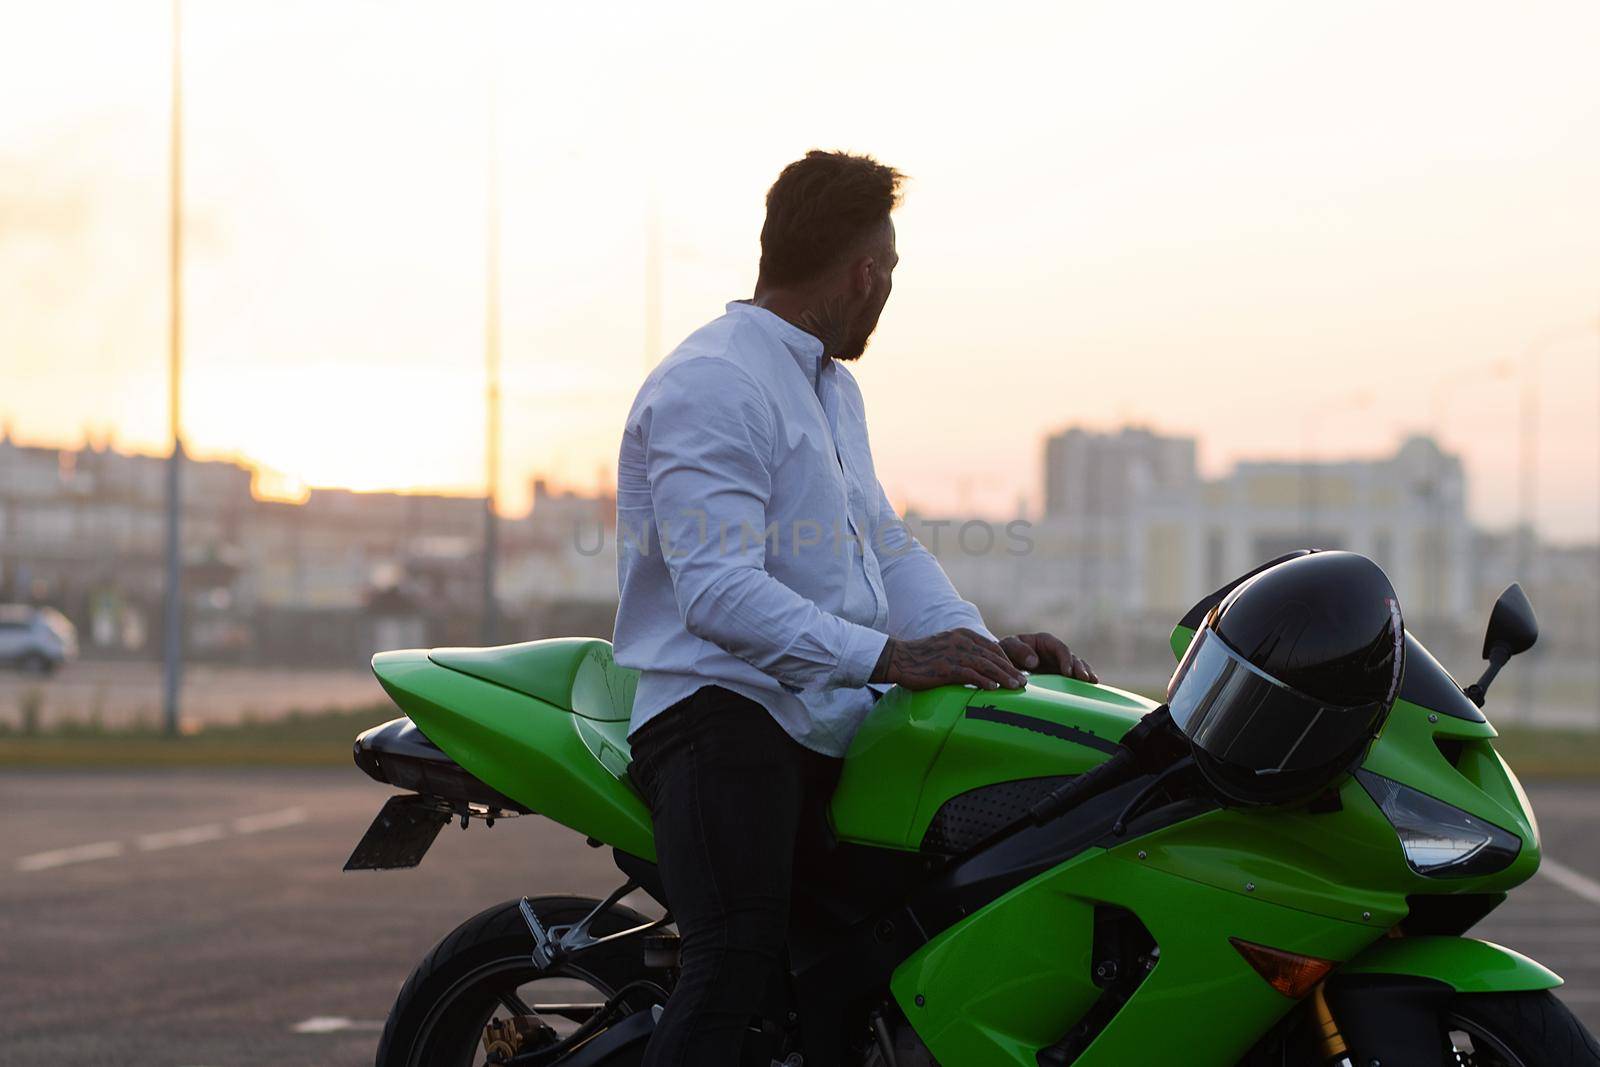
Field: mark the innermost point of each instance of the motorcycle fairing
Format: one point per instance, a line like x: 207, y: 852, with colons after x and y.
x: 1465, y: 964
x: 566, y: 766
x: 1015, y: 975
x: 545, y: 723
x: 1326, y: 880
x: 575, y: 673
x: 917, y: 751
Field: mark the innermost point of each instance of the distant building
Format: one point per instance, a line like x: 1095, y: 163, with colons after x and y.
x: 1406, y: 511
x: 564, y: 552
x: 1103, y: 474
x: 87, y: 526
x: 1132, y: 533
x: 84, y: 530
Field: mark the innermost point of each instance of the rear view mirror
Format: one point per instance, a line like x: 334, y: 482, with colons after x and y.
x: 1512, y: 624
x: 1512, y: 630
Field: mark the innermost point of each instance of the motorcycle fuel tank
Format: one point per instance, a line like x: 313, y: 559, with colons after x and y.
x: 926, y: 768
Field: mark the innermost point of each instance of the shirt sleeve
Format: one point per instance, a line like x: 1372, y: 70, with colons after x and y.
x: 921, y: 599
x: 708, y: 444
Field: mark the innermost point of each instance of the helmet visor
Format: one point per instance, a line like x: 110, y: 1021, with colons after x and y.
x: 1243, y: 716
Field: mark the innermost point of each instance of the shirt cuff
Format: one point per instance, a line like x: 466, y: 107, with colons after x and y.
x: 862, y: 647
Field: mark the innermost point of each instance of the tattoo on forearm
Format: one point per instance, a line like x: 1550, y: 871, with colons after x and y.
x: 917, y: 661
x: 954, y: 656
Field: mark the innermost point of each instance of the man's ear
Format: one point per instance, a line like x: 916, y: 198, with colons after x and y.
x: 862, y: 275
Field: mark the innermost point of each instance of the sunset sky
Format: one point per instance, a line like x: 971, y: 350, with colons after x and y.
x: 1214, y: 219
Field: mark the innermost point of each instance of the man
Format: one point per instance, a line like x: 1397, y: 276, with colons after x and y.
x: 765, y: 582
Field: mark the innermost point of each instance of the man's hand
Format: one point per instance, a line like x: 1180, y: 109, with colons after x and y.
x: 954, y: 657
x: 1047, y: 654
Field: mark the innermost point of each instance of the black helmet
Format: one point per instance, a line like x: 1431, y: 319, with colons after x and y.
x: 1290, y: 676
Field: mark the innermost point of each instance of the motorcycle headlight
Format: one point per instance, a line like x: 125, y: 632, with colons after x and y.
x: 1439, y: 840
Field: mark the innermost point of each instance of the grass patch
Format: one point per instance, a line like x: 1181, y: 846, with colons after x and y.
x: 300, y: 739
x: 322, y: 739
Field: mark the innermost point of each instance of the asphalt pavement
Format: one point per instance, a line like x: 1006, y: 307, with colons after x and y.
x: 202, y: 919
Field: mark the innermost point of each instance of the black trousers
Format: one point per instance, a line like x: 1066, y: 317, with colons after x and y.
x: 735, y: 801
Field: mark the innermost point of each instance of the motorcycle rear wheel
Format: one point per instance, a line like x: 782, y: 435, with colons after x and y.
x: 484, y: 968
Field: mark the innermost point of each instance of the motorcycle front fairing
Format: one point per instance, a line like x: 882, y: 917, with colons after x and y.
x: 1342, y: 880
x: 1327, y: 881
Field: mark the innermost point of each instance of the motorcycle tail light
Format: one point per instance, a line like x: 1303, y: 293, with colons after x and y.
x: 1289, y: 973
x: 1440, y: 841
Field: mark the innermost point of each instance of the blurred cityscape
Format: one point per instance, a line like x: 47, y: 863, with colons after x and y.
x: 251, y: 248
x: 285, y: 601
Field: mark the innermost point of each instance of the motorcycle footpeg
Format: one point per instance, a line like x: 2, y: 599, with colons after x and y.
x: 545, y: 948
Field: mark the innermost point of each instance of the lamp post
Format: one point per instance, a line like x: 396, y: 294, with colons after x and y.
x: 1528, y: 439
x: 490, y: 619
x: 172, y: 625
x: 1528, y: 473
x: 1443, y: 393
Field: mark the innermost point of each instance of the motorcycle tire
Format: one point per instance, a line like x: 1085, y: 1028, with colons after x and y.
x: 439, y: 1017
x: 1518, y: 1030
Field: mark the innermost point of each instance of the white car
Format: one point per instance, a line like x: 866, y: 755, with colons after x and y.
x: 39, y: 640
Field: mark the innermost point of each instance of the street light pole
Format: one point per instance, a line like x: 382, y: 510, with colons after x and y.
x: 1528, y: 472
x: 1527, y: 479
x: 491, y: 339
x: 1443, y: 392
x: 172, y: 629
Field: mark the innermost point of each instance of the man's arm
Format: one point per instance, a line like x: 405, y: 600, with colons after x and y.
x: 931, y: 629
x: 922, y: 601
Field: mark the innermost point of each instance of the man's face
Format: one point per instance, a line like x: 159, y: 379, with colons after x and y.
x: 865, y: 320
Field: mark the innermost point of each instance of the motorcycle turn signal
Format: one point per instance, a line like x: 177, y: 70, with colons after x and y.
x: 1289, y: 973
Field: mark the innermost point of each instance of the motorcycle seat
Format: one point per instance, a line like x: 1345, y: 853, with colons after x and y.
x: 576, y: 674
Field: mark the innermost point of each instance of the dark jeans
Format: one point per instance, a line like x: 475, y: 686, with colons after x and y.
x: 734, y: 799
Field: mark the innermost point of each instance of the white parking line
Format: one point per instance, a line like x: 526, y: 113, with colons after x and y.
x: 193, y: 835
x: 43, y: 861
x: 1570, y: 880
x: 332, y: 1024
x: 271, y: 820
x: 164, y: 839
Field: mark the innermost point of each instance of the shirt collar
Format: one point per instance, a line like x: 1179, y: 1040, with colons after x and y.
x: 804, y: 347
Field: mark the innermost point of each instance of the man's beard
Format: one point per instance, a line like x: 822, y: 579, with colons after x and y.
x: 854, y: 348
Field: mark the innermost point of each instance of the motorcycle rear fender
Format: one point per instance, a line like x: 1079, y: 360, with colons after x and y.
x: 1465, y: 964
x: 563, y: 766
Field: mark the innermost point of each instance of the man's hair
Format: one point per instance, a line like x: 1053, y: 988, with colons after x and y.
x: 819, y: 211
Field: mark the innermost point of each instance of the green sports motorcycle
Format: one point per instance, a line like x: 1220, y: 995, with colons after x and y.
x: 1036, y: 877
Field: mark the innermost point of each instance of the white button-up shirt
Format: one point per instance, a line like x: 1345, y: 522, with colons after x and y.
x: 756, y: 549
